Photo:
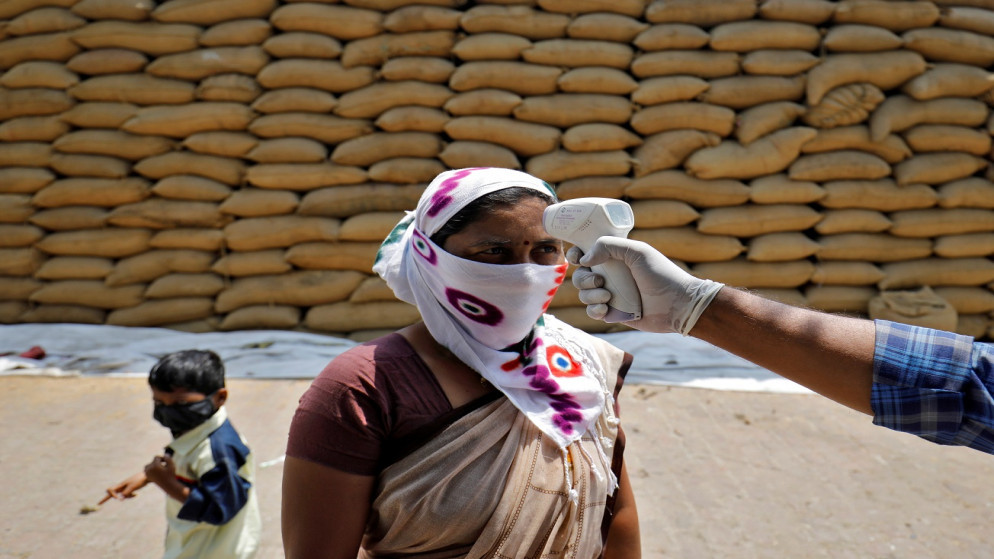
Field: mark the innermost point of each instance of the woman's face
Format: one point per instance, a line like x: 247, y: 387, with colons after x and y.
x: 508, y: 235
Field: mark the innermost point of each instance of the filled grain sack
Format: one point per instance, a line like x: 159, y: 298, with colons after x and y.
x: 189, y: 238
x: 516, y: 20
x: 768, y: 155
x: 972, y: 192
x: 346, y: 316
x: 964, y: 246
x: 85, y: 191
x: 768, y: 62
x: 162, y: 312
x: 153, y: 264
x: 852, y: 221
x: 252, y: 263
x: 414, y: 119
x: 159, y: 213
x: 88, y: 293
x: 24, y: 180
x: 892, y: 149
x: 372, y: 100
x: 346, y: 201
x: 347, y: 255
x: 920, y: 307
x: 872, y: 247
x: 326, y: 128
x: 341, y: 22
x: 781, y: 247
x: 841, y: 272
x: 780, y: 189
x: 257, y: 202
x: 562, y: 165
x: 260, y: 233
x: 677, y: 185
x: 886, y: 70
x: 839, y: 298
x: 523, y: 138
x: 753, y: 220
x: 465, y: 153
x: 267, y: 317
x: 116, y: 143
x: 108, y: 243
x: 845, y: 105
x: 70, y: 218
x: 742, y: 273
x: 99, y: 166
x: 304, y: 288
x: 884, y: 195
x: 688, y: 245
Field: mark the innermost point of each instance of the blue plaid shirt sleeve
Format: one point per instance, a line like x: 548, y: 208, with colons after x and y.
x: 934, y: 384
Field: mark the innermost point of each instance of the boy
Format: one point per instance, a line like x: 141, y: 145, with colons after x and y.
x: 207, y: 471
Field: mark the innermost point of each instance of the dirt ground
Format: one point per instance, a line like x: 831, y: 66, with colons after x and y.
x: 717, y: 474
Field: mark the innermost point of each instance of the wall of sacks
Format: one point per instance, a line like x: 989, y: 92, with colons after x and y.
x: 233, y: 164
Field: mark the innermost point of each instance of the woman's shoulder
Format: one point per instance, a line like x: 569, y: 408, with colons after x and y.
x: 365, y: 359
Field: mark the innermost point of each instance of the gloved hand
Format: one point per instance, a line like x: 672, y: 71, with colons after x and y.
x: 672, y: 299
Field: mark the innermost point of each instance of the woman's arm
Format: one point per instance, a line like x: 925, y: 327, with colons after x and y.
x: 623, y: 538
x: 324, y: 510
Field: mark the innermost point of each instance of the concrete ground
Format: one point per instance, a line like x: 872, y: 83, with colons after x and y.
x: 717, y: 474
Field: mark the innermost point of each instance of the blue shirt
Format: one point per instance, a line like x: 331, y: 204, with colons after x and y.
x: 934, y: 384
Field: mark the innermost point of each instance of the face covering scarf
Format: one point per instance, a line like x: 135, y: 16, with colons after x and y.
x: 491, y: 316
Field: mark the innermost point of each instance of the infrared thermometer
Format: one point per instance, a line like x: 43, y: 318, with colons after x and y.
x: 584, y: 220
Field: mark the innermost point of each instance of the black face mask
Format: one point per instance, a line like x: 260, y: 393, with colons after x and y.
x: 180, y: 418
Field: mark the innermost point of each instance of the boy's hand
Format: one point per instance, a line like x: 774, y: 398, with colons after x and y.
x: 126, y: 489
x: 161, y: 471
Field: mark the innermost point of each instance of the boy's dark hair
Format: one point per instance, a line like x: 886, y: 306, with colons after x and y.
x: 193, y: 369
x: 483, y: 204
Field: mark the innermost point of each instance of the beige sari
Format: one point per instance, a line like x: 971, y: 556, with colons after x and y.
x: 492, y: 485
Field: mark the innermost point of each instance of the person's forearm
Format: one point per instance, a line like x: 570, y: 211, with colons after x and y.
x: 830, y: 354
x: 624, y: 537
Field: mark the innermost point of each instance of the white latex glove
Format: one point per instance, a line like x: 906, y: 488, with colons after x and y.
x: 672, y: 299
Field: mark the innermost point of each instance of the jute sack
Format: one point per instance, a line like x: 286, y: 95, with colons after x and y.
x: 299, y: 44
x: 158, y: 213
x: 15, y: 208
x: 209, y: 12
x: 599, y: 137
x: 88, y: 293
x: 51, y: 75
x: 192, y: 188
x: 972, y: 192
x: 845, y: 105
x: 785, y: 295
x: 900, y: 112
x: 358, y: 256
x: 886, y: 70
x: 162, y: 312
x: 950, y: 80
x: 372, y: 100
x: 32, y: 129
x: 688, y: 245
x: 238, y: 32
x: 677, y: 185
x: 107, y: 61
x: 329, y: 129
x: 846, y: 273
x: 490, y: 46
x: 666, y: 150
x: 750, y: 220
x: 413, y: 119
x: 745, y: 36
x: 632, y: 8
x: 765, y: 118
x: 951, y: 45
x: 462, y: 154
x: 976, y: 19
x: 406, y: 170
x: 341, y: 22
x: 523, y: 138
x: 70, y: 218
x: 884, y: 195
x: 494, y: 102
x: 742, y: 273
x: 153, y: 264
x: 705, y: 13
x: 968, y: 300
x: 200, y: 63
x: 872, y: 247
x: 780, y: 189
x: 99, y: 114
x: 964, y: 246
x: 227, y: 170
x: 19, y: 235
x: 421, y: 18
x: 852, y: 221
x: 857, y: 37
x: 622, y: 26
x: 45, y: 46
x: 378, y: 49
x: 288, y: 150
x: 672, y: 36
x: 684, y: 115
x: 369, y: 226
x: 973, y: 325
x: 654, y: 91
x: 18, y: 289
x: 778, y: 62
x: 253, y: 263
x: 896, y: 17
x: 84, y: 191
x: 43, y: 20
x: 106, y: 243
x: 32, y: 101
x: 14, y: 8
x: 24, y: 180
x: 432, y: 69
x: 939, y: 221
x: 185, y: 285
x: 372, y: 288
x: 346, y: 201
x: 113, y: 143
x: 781, y: 247
x: 530, y: 79
x: 598, y: 187
x: 74, y: 314
x: 327, y: 75
x: 574, y: 53
x: 188, y: 238
x: 839, y: 165
x: 368, y: 149
x: 267, y: 317
x: 937, y: 168
x: 295, y: 99
x: 180, y: 121
x: 766, y: 156
x: 100, y: 166
x: 652, y: 214
x: 260, y: 233
x: 305, y: 288
x: 921, y: 307
x: 228, y: 87
x: 20, y: 261
x: 804, y: 11
x: 702, y: 64
x: 607, y: 81
x: 221, y: 142
x: 891, y: 149
x: 839, y: 298
x: 562, y: 165
x: 147, y: 37
x: 944, y: 137
x: 347, y: 316
x: 517, y: 20
x: 257, y: 202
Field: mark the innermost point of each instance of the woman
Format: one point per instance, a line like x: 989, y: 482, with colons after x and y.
x: 488, y: 429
